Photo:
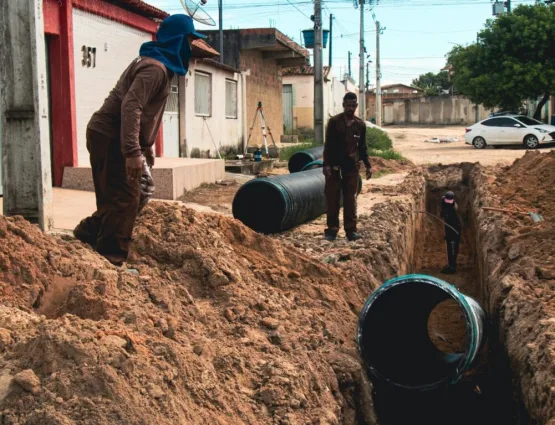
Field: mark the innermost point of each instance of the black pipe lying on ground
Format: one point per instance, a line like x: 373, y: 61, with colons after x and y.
x: 274, y: 204
x: 393, y: 333
x: 299, y: 159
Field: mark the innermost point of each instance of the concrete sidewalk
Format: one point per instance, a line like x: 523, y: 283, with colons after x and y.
x: 71, y: 206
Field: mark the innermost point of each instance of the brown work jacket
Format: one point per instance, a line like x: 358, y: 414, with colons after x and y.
x: 345, y: 145
x: 134, y: 108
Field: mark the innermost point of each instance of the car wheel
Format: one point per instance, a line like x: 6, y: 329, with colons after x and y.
x: 479, y: 143
x: 531, y: 142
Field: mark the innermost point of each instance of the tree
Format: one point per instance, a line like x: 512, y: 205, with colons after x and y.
x: 513, y: 60
x: 432, y: 83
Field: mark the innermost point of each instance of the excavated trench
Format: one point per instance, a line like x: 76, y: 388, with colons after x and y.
x: 484, y: 394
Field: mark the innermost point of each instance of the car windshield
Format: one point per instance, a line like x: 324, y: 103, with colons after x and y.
x: 527, y: 120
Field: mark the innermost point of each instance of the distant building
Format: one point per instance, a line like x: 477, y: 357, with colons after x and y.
x: 390, y: 93
x: 261, y: 54
x: 298, y: 97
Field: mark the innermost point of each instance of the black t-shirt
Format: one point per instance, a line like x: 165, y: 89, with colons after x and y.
x: 450, y: 216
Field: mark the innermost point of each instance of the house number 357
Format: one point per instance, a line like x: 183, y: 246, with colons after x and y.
x: 89, y: 56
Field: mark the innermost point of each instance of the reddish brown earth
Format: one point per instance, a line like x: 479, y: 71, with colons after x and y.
x: 216, y: 324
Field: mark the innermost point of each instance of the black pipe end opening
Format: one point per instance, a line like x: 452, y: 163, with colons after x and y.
x: 298, y: 160
x: 260, y: 205
x: 395, y: 343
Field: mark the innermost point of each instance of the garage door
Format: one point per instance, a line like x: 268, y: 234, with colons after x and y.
x: 103, y: 50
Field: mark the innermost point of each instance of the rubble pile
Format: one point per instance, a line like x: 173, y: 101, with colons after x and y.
x: 213, y: 324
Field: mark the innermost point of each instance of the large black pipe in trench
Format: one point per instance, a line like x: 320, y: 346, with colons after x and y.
x: 274, y: 204
x: 393, y: 333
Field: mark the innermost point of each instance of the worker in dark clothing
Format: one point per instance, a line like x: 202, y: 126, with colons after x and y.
x: 344, y: 148
x: 121, y: 134
x: 449, y: 214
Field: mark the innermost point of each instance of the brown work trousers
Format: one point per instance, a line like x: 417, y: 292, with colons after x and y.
x: 342, y: 183
x: 110, y: 228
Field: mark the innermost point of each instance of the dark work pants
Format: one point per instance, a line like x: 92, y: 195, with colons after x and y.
x: 341, y: 183
x: 110, y: 228
x: 453, y: 252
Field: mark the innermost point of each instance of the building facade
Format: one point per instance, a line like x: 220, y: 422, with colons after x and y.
x: 260, y: 54
x: 298, y: 97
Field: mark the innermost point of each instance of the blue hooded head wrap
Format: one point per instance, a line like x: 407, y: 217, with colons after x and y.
x: 171, y: 46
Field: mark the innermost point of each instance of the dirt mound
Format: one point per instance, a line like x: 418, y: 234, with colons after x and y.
x: 528, y: 184
x: 382, y: 166
x: 520, y: 269
x: 214, y: 325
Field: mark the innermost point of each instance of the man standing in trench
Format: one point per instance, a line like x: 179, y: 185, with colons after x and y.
x: 450, y: 216
x: 344, y: 148
x: 121, y: 134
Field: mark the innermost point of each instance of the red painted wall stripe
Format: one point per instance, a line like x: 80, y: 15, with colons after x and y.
x: 62, y: 90
x: 51, y: 11
x: 114, y: 13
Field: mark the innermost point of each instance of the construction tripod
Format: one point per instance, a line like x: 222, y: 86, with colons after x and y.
x: 260, y: 111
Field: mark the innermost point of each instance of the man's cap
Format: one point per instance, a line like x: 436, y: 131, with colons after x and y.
x: 179, y: 24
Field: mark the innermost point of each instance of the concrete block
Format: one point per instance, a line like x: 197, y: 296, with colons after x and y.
x: 172, y: 176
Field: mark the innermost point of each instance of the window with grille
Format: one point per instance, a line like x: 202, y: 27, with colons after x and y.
x: 172, y: 105
x: 203, y: 94
x: 230, y: 99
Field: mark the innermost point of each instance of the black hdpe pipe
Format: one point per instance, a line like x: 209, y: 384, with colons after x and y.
x: 393, y: 334
x: 274, y: 204
x: 299, y: 159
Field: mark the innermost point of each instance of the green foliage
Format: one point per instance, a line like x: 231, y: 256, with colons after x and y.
x: 432, y: 84
x: 514, y: 59
x: 377, y: 139
x: 387, y: 154
x: 286, y: 153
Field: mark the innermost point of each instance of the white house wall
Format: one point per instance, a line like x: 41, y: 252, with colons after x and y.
x: 227, y: 132
x: 116, y: 46
x: 303, y: 99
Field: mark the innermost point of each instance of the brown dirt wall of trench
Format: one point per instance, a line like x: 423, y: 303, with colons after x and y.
x: 220, y: 325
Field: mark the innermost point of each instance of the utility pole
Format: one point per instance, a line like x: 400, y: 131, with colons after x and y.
x: 367, y: 76
x: 318, y: 80
x: 24, y: 113
x: 331, y: 38
x: 221, y: 19
x: 361, y: 100
x: 378, y: 77
x: 350, y: 64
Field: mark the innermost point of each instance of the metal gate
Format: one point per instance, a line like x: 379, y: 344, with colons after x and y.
x: 170, y: 122
x: 388, y: 114
x: 288, y: 107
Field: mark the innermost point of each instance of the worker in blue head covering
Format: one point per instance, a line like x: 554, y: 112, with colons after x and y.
x: 120, y: 136
x: 172, y: 46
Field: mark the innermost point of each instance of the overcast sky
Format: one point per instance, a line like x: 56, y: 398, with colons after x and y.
x: 418, y: 33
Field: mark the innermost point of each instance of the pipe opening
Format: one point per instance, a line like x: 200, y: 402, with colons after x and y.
x: 260, y: 205
x: 400, y: 340
x: 300, y: 159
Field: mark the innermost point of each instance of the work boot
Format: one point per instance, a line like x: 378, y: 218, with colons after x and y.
x: 448, y: 270
x: 330, y: 237
x: 84, y: 235
x: 353, y: 236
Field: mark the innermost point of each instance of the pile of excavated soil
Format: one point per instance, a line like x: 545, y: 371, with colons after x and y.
x: 214, y: 325
x: 519, y: 269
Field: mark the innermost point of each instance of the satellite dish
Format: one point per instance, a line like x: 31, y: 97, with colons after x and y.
x: 194, y: 10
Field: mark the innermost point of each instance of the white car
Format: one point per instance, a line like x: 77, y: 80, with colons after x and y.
x: 509, y: 130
